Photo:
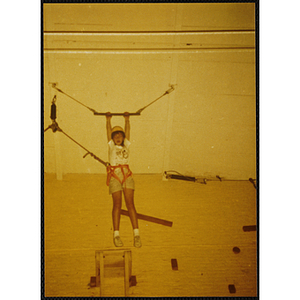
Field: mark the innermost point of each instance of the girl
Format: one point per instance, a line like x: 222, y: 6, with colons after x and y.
x: 119, y: 178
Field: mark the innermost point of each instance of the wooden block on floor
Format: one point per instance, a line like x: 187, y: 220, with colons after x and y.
x: 249, y: 228
x: 132, y: 281
x: 174, y: 264
x: 236, y: 250
x: 231, y: 288
x: 93, y: 281
x: 100, y: 256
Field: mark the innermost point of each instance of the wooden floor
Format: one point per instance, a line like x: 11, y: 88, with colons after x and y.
x: 207, y: 221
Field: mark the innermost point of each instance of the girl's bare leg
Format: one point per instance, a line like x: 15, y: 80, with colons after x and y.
x: 129, y: 195
x: 116, y: 211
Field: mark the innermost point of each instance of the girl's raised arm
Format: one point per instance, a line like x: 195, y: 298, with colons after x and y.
x: 127, y: 126
x: 108, y: 125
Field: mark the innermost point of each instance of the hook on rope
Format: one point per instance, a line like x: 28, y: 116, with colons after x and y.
x: 54, y: 126
x: 54, y: 84
x: 97, y: 158
x: 170, y: 90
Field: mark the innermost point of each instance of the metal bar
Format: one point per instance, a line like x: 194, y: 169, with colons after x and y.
x: 116, y: 114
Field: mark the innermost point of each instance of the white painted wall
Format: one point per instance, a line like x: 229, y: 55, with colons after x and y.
x: 205, y: 127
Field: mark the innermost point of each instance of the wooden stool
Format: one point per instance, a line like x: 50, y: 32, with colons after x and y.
x: 100, y: 257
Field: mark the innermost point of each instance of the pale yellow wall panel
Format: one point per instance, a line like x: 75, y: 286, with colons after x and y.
x: 148, y: 17
x: 201, y: 150
x: 115, y: 83
x: 213, y: 105
x: 109, y: 17
x: 106, y: 82
x: 148, y: 141
x: 49, y: 159
x: 217, y: 72
x: 147, y: 160
x: 216, y: 110
x: 215, y: 93
x: 218, y: 16
x: 215, y: 116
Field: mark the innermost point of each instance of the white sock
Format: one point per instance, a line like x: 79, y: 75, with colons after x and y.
x: 116, y: 233
x: 136, y: 232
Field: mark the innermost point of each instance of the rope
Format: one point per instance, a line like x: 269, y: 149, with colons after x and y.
x: 59, y: 90
x: 88, y: 152
x: 113, y: 114
x: 167, y: 92
x: 54, y: 126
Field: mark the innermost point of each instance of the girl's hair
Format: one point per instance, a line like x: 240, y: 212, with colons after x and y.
x: 113, y: 134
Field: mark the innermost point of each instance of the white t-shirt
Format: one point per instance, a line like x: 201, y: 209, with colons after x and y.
x: 118, y: 155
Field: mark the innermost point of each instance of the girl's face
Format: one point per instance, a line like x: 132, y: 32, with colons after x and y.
x: 118, y: 138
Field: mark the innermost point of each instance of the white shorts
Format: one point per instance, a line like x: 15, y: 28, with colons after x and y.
x: 116, y: 186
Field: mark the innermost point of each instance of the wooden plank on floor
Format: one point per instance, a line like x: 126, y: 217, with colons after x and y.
x: 148, y: 218
x: 249, y: 228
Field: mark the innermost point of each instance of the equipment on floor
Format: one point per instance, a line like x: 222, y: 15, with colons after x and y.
x: 203, y: 180
x: 168, y: 175
x: 125, y: 257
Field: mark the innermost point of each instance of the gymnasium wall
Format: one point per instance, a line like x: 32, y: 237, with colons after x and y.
x: 120, y: 57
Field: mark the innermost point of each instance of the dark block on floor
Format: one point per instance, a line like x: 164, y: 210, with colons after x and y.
x: 174, y: 264
x: 236, y: 250
x: 93, y: 281
x: 231, y: 288
x: 132, y: 281
x: 249, y: 228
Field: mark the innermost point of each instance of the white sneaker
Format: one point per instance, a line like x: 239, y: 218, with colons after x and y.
x: 137, y: 241
x: 118, y: 241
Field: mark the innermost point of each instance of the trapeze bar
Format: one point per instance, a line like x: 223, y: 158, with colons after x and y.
x: 117, y: 114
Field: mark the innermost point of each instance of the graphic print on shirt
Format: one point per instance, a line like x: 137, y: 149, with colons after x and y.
x: 121, y: 152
